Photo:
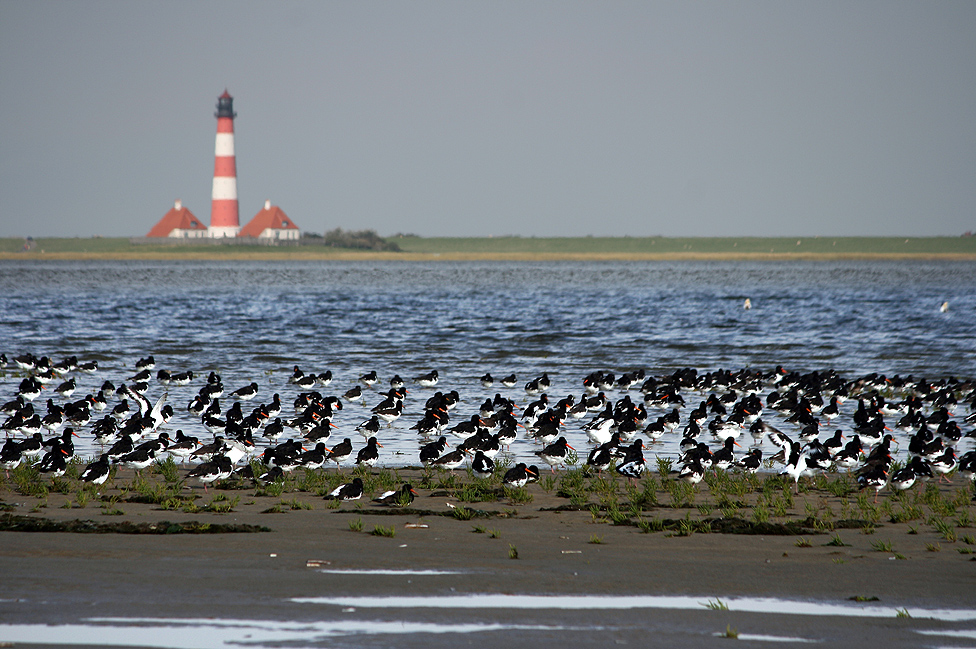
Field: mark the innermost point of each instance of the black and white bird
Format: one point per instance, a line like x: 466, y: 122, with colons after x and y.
x: 452, y: 460
x: 369, y: 455
x: 370, y: 427
x: 518, y: 476
x: 349, y: 491
x: 401, y: 497
x: 556, y: 454
x: 428, y: 380
x: 633, y: 464
x: 246, y: 393
x: 98, y: 471
x: 340, y: 452
x: 218, y: 468
x: 432, y: 451
x: 482, y: 466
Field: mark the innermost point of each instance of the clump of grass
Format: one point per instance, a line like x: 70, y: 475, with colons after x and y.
x: 836, y: 542
x: 802, y: 543
x: 902, y: 613
x: 841, y: 487
x: 478, y: 529
x: 81, y: 498
x: 27, y: 481
x: 356, y: 525
x: 380, y: 530
x: 548, y: 483
x: 717, y: 605
x: 168, y: 469
x: 731, y: 633
x: 664, y: 465
x: 518, y: 495
x: 295, y: 503
x: 648, y: 526
x: 463, y: 513
x: 882, y: 546
x: 760, y: 514
x: 494, y: 534
x: 109, y: 510
x: 933, y: 547
x: 475, y: 492
x: 596, y: 540
x: 272, y: 489
x: 908, y: 513
x: 220, y: 504
x: 947, y: 531
x: 60, y: 485
x: 512, y: 552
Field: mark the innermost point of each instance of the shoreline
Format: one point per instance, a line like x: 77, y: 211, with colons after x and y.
x: 276, y: 255
x: 324, y: 565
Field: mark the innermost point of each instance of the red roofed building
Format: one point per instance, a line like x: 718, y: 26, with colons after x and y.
x: 179, y: 223
x: 271, y: 223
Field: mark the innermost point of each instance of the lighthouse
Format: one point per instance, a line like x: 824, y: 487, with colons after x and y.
x: 224, y: 218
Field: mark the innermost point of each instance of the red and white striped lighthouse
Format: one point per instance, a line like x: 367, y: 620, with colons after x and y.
x: 224, y: 217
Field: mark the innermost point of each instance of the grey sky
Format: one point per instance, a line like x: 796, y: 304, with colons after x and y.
x: 464, y: 118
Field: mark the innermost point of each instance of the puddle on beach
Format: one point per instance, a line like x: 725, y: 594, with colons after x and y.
x: 406, y: 573
x: 586, y: 602
x: 755, y: 637
x: 213, y: 634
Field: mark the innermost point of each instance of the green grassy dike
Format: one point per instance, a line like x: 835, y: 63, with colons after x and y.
x: 520, y: 248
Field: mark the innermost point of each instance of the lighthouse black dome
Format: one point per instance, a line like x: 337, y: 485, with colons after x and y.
x: 225, y: 106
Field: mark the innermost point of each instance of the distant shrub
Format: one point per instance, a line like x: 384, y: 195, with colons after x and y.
x: 362, y: 240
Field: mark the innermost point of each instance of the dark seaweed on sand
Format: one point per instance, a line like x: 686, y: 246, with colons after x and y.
x: 14, y: 523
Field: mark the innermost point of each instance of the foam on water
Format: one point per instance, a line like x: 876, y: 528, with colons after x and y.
x: 608, y: 602
x: 191, y: 633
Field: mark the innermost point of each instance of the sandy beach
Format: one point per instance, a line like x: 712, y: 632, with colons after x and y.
x: 314, y: 551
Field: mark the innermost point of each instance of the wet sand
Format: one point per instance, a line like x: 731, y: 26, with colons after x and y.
x: 58, y: 578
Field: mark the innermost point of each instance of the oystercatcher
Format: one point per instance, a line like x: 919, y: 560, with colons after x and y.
x: 369, y: 455
x: 633, y: 464
x: 349, y: 491
x: 246, y: 393
x: 482, y: 465
x: 517, y: 476
x: 432, y: 451
x: 556, y: 453
x: 218, y: 468
x: 451, y: 460
x: 98, y: 471
x: 340, y: 452
x: 401, y: 497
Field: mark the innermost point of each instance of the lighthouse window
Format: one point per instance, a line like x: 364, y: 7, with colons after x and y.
x: 284, y: 223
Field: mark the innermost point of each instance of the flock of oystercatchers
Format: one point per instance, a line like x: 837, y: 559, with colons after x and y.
x: 918, y: 420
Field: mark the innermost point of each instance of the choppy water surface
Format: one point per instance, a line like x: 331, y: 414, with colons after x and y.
x: 255, y: 320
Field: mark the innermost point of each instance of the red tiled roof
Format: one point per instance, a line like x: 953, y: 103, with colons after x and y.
x: 270, y: 217
x: 181, y: 218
